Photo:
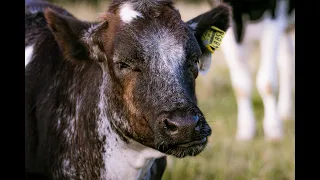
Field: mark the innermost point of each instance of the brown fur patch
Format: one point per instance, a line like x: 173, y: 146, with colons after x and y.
x: 136, y: 119
x: 108, y: 34
x: 128, y: 94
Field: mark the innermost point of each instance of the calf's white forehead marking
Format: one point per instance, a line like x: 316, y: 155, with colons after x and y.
x: 127, y: 13
x: 28, y: 55
x: 170, y: 50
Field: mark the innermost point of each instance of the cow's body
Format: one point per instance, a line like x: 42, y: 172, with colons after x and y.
x: 109, y: 100
x: 271, y: 23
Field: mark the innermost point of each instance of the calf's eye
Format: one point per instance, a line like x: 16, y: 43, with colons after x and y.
x: 122, y: 65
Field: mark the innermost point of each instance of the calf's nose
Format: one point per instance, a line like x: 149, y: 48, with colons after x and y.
x: 181, y: 128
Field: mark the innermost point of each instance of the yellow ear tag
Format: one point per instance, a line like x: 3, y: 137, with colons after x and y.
x: 212, y: 38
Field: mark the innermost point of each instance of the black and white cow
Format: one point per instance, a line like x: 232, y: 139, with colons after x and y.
x: 111, y: 99
x: 271, y: 23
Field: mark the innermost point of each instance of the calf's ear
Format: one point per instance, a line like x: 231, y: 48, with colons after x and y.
x: 209, y: 29
x: 68, y: 32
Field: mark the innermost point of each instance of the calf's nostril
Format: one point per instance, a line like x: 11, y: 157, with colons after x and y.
x: 196, y: 118
x: 197, y: 123
x: 170, y: 126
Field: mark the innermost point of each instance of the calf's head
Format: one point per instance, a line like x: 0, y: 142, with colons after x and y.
x: 149, y: 61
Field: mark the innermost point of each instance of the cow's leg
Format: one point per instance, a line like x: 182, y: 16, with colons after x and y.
x: 237, y: 61
x: 267, y: 77
x: 285, y: 64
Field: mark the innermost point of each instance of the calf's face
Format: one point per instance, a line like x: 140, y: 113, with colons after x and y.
x: 152, y: 59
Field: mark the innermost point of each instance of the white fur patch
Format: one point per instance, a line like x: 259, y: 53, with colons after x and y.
x: 165, y: 50
x: 205, y: 63
x: 129, y: 161
x: 127, y: 13
x: 193, y: 26
x: 286, y: 78
x: 28, y: 53
x: 67, y: 168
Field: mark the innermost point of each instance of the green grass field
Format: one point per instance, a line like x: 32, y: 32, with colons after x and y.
x: 224, y: 158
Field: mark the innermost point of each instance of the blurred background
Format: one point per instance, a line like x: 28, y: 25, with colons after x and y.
x: 224, y: 158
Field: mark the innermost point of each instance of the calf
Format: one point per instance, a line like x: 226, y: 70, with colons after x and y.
x: 111, y: 99
x: 271, y: 22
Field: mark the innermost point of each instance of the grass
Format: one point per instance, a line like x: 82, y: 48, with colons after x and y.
x: 224, y: 158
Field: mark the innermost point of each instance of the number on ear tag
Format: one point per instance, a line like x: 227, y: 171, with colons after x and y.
x: 212, y: 38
